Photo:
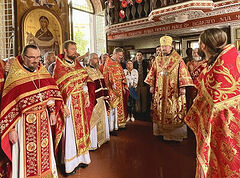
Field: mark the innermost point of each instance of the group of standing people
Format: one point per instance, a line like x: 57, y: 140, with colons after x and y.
x: 76, y: 109
x: 140, y: 98
x: 71, y: 111
x: 214, y: 114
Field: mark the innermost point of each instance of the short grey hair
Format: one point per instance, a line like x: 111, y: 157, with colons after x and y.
x: 104, y: 54
x: 48, y: 54
x: 92, y: 54
x: 117, y: 50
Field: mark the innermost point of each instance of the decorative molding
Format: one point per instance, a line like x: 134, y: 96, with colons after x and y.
x: 226, y: 3
x: 195, y: 10
x: 176, y: 27
x: 180, y: 8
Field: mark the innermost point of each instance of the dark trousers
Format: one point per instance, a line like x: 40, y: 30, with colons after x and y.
x: 130, y: 105
x: 141, y: 103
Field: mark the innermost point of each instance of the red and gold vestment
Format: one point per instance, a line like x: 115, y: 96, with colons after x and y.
x: 101, y: 66
x: 4, y: 163
x: 71, y: 80
x: 2, y: 73
x: 116, y: 82
x: 196, y: 67
x: 98, y: 93
x: 23, y: 100
x: 215, y: 117
x: 167, y: 75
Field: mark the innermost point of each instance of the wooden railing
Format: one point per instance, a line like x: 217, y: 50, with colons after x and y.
x: 137, y: 10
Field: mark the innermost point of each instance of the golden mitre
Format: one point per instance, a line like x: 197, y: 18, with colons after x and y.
x: 166, y: 41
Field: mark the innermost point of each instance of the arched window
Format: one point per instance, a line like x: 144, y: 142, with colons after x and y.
x: 84, y: 5
x: 87, y: 28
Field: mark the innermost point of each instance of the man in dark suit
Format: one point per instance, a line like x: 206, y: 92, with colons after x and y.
x: 142, y: 88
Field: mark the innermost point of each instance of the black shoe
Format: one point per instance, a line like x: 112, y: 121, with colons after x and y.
x: 114, y: 133
x: 83, y: 165
x: 71, y: 173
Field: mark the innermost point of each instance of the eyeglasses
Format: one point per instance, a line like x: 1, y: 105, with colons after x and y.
x: 33, y: 57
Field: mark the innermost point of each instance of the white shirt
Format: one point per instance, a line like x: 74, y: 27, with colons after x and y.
x: 132, y: 77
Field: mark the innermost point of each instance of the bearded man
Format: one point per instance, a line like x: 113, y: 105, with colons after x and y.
x: 71, y: 79
x: 32, y: 102
x: 168, y: 79
x: 98, y: 94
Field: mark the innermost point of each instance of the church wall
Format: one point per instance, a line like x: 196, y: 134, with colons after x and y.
x: 115, y: 43
x: 142, y: 43
x: 112, y: 44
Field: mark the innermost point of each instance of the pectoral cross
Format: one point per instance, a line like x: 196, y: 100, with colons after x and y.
x: 163, y: 73
x: 40, y: 96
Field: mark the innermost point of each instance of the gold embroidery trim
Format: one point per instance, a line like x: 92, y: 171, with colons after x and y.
x: 72, y: 81
x: 70, y: 74
x: 23, y: 96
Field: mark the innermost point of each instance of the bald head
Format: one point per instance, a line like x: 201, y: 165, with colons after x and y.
x: 94, y: 60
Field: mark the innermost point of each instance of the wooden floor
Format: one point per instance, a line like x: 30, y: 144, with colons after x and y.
x: 136, y: 153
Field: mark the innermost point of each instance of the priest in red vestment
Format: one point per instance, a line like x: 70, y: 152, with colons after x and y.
x: 195, y: 67
x: 168, y: 79
x: 98, y: 95
x: 215, y: 114
x: 4, y: 162
x: 102, y: 61
x: 71, y: 79
x: 32, y: 102
x: 118, y: 90
x: 2, y: 74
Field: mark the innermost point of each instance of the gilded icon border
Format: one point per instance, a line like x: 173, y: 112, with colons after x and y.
x: 238, y: 33
x: 31, y: 25
x: 238, y: 45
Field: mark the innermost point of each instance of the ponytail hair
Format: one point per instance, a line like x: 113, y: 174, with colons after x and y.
x: 215, y: 39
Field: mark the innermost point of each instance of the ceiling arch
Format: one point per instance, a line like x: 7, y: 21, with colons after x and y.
x: 98, y: 5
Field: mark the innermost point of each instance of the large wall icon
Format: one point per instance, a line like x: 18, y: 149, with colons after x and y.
x: 43, y: 28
